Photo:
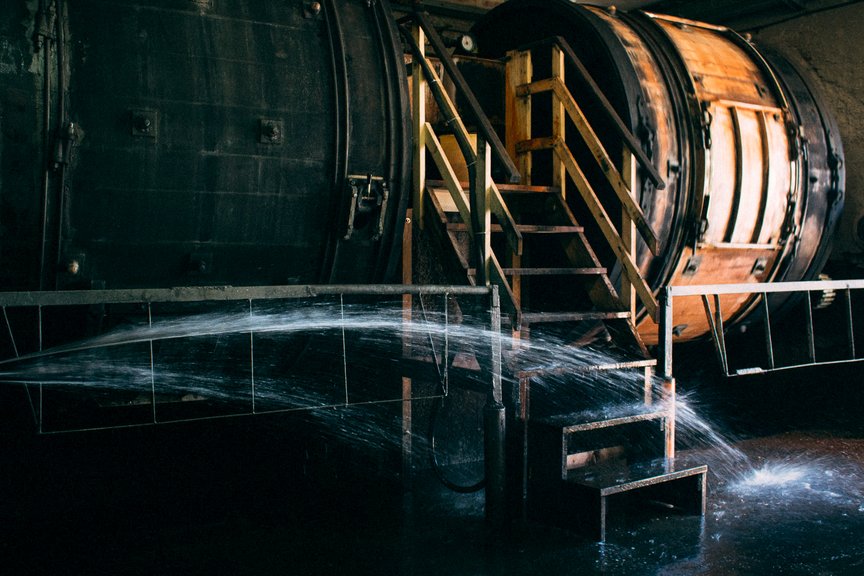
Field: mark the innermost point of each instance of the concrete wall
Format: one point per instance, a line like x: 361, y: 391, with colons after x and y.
x: 829, y: 46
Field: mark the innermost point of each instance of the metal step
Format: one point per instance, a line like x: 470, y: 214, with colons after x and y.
x: 609, y: 422
x: 607, y: 366
x: 683, y: 489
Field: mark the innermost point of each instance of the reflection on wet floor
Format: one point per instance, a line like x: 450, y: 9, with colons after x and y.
x: 231, y: 499
x: 795, y: 506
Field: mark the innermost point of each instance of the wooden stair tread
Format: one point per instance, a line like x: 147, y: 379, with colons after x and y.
x: 541, y: 317
x: 548, y: 271
x: 523, y: 228
x: 503, y: 188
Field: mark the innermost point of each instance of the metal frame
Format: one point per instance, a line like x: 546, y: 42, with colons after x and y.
x: 148, y: 297
x: 666, y: 324
x: 494, y: 411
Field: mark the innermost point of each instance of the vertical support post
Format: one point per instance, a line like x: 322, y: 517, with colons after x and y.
x: 518, y: 109
x: 518, y: 126
x: 850, y: 327
x: 808, y: 312
x: 769, y: 344
x: 664, y: 325
x: 407, y: 384
x: 559, y: 126
x: 418, y: 90
x: 648, y: 385
x: 669, y: 397
x: 41, y: 391
x: 495, y: 424
x: 252, y: 358
x: 665, y: 365
x: 628, y: 233
x: 481, y: 211
x: 152, y: 363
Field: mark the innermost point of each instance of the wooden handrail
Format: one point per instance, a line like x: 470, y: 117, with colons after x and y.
x: 484, y: 126
x: 606, y: 227
x: 618, y: 125
x: 452, y: 118
x: 622, y: 190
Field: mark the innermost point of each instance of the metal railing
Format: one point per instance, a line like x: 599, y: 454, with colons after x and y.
x: 711, y: 300
x: 145, y: 299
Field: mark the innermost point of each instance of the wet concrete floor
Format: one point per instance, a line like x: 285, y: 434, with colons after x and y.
x: 795, y: 505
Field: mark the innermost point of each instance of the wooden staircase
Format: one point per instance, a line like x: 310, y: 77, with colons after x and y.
x: 551, y: 277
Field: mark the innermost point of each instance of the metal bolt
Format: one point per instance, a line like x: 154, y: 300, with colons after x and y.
x: 73, y: 266
x: 143, y: 123
x: 315, y: 8
x: 271, y: 131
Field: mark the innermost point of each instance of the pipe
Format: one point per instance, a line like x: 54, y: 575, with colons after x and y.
x: 495, y: 429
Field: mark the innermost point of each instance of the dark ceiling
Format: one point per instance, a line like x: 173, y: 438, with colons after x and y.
x: 741, y: 15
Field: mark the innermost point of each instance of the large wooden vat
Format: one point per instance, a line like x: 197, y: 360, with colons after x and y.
x: 752, y: 161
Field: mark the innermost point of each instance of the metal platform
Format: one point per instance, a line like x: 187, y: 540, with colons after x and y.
x: 659, y: 482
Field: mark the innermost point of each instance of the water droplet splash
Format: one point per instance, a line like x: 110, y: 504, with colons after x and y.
x: 776, y: 474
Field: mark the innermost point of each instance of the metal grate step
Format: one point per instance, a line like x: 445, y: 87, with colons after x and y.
x: 559, y: 370
x: 682, y: 489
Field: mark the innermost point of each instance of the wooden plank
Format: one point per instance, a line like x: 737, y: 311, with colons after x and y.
x: 523, y: 228
x: 534, y: 144
x: 508, y: 299
x: 608, y: 229
x: 543, y: 317
x: 418, y: 104
x: 548, y: 229
x: 457, y: 194
x: 622, y: 190
x: 514, y: 238
x: 518, y: 109
x: 559, y: 120
x: 505, y: 188
x: 502, y: 213
x: 629, y: 140
x: 481, y: 212
x: 628, y: 231
x: 483, y: 124
x: 553, y: 271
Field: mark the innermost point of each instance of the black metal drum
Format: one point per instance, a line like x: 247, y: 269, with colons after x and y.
x: 150, y: 143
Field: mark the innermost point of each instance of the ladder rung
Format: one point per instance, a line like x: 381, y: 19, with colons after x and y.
x: 540, y: 317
